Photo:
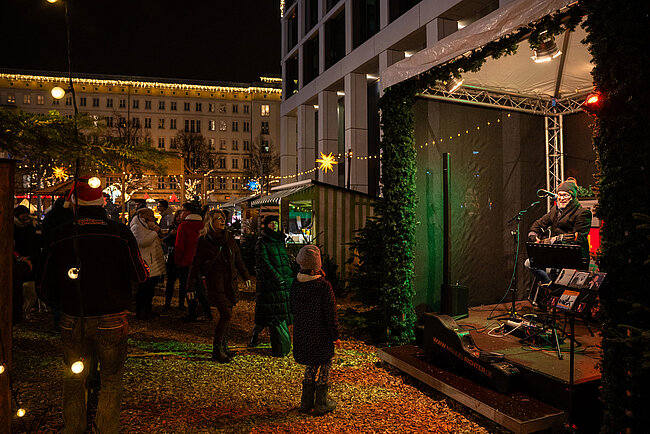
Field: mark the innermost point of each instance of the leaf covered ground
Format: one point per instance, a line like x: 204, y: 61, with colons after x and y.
x: 171, y: 386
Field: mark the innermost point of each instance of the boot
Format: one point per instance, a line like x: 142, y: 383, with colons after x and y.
x: 322, y: 404
x: 218, y: 355
x: 307, y: 398
x: 227, y: 350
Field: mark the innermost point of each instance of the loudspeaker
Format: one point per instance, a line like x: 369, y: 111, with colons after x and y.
x: 454, y: 301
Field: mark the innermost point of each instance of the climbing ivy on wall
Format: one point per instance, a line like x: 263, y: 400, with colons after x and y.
x: 617, y: 32
x: 397, y: 210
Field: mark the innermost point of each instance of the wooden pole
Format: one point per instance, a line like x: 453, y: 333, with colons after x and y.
x: 7, y: 174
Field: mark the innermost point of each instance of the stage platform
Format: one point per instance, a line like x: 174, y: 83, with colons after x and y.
x: 541, y: 400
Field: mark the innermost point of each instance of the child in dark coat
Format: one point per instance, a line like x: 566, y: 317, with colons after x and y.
x: 315, y: 330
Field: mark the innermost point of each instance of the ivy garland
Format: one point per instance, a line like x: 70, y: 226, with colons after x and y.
x: 397, y: 210
x: 621, y: 73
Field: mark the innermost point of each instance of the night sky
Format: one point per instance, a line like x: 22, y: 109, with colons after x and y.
x: 212, y: 40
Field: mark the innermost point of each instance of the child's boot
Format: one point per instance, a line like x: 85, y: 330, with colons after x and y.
x: 322, y: 404
x: 307, y: 398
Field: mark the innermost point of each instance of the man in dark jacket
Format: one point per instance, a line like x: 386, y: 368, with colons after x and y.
x: 274, y: 278
x: 90, y: 265
x: 569, y: 223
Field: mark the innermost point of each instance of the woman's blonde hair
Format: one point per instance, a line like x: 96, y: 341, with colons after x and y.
x: 208, y: 219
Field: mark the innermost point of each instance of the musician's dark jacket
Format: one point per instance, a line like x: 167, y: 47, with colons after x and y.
x: 574, y: 218
x: 110, y: 262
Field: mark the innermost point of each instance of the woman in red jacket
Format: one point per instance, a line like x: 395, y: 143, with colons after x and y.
x: 218, y: 259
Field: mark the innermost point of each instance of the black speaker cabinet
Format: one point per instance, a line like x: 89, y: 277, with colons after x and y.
x: 454, y: 301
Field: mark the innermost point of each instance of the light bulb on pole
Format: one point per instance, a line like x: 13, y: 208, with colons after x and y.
x: 77, y: 367
x: 94, y: 182
x: 2, y: 369
x: 57, y: 92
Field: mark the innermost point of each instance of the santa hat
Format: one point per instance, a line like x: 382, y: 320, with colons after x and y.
x: 84, y: 194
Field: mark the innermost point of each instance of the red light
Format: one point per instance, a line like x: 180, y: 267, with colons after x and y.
x: 592, y: 104
x: 593, y: 99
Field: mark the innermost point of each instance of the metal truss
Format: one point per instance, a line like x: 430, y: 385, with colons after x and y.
x: 554, y: 154
x: 526, y: 104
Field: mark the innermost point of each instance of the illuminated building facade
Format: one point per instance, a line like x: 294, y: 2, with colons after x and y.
x: 234, y: 119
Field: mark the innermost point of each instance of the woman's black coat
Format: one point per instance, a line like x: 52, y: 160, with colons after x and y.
x: 274, y: 278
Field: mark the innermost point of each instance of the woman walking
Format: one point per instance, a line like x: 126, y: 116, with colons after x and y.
x: 218, y: 259
x: 315, y: 330
x: 274, y: 278
x: 148, y: 233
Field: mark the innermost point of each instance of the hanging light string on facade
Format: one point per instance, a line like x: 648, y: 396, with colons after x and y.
x: 461, y: 133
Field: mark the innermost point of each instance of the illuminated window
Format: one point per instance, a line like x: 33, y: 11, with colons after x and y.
x: 223, y: 125
x: 11, y: 99
x: 211, y: 145
x: 161, y: 124
x: 161, y: 144
x: 211, y: 107
x: 27, y: 99
x: 212, y: 125
x: 172, y: 124
x: 265, y: 110
x: 222, y: 108
x: 40, y: 99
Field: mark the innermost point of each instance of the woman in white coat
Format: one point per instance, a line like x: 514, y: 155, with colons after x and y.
x: 148, y: 234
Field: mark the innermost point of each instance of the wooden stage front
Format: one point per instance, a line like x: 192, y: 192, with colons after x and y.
x: 541, y: 399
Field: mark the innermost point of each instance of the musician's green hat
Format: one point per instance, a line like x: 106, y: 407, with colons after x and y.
x: 570, y: 185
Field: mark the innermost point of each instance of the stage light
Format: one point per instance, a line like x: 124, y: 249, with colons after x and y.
x: 73, y: 273
x: 94, y: 182
x: 77, y: 367
x: 57, y: 92
x: 546, y: 51
x: 453, y: 84
x: 593, y: 103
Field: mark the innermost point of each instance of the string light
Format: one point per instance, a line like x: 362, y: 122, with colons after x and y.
x: 21, y: 412
x: 77, y: 367
x: 73, y: 273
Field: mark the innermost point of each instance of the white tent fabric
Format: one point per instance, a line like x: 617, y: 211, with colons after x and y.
x: 517, y: 73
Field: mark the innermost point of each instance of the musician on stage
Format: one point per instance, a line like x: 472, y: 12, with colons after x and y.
x: 569, y: 223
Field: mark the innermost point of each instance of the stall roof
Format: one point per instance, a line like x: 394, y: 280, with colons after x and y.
x: 61, y: 189
x: 279, y: 194
x: 508, y: 79
x: 237, y: 201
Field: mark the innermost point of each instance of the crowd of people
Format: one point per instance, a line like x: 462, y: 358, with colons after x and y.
x: 88, y: 267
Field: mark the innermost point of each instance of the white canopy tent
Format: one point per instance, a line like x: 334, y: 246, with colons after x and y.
x: 550, y: 89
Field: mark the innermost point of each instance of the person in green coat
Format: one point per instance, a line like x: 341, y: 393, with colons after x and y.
x: 274, y: 278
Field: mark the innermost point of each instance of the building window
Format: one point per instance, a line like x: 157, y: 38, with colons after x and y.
x: 122, y: 103
x: 187, y: 125
x: 136, y: 122
x: 95, y: 102
x: 136, y: 103
x: 222, y: 108
x: 222, y: 183
x: 186, y: 106
x: 246, y: 126
x: 122, y: 122
x: 161, y: 105
x: 199, y: 107
x: 55, y: 101
x: 68, y: 100
x: 265, y: 127
x: 172, y: 124
x: 109, y: 102
x: 211, y: 145
x: 172, y: 105
x: 222, y: 163
x: 265, y: 146
x: 247, y: 163
x: 172, y: 143
x: 147, y: 122
x: 27, y: 99
x: 247, y: 145
x: 211, y: 180
x: 11, y: 99
x: 40, y: 99
x: 235, y: 145
x: 198, y: 126
x: 161, y: 144
x: 82, y: 101
x: 246, y: 109
x: 265, y: 109
x: 161, y: 182
x: 223, y: 126
x: 235, y: 184
x: 161, y: 123
x: 147, y: 105
x: 212, y: 125
x: 235, y: 163
x: 235, y: 108
x: 211, y: 107
x: 222, y: 144
x: 235, y: 126
x: 109, y: 121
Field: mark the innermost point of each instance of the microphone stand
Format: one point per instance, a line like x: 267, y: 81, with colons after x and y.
x: 512, y: 313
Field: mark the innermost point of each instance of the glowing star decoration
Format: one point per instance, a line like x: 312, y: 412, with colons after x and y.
x: 60, y: 173
x: 253, y: 185
x: 326, y: 162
